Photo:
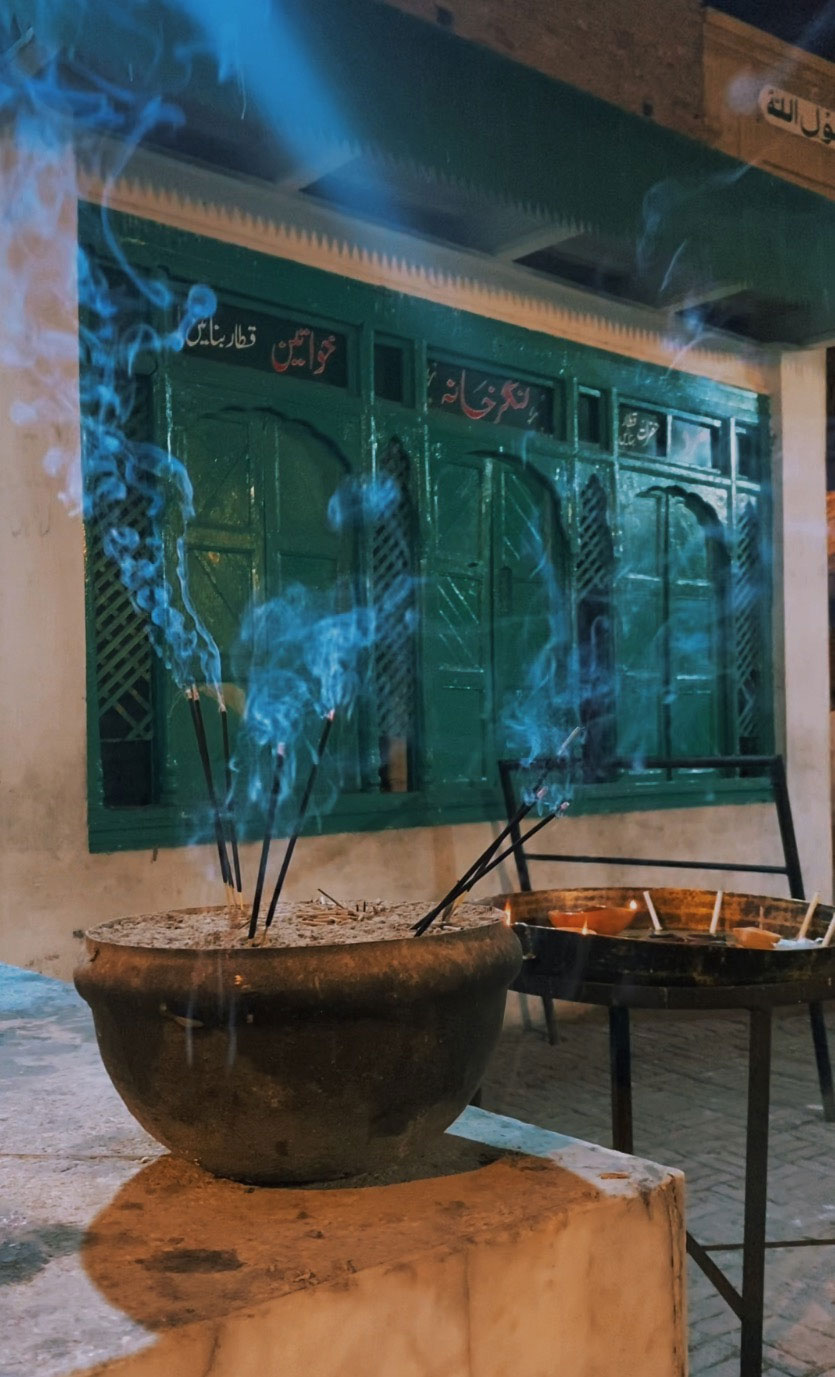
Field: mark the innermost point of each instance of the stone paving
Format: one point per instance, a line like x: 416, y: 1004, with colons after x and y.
x: 689, y: 1077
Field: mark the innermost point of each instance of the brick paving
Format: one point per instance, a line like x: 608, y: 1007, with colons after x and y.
x: 689, y: 1078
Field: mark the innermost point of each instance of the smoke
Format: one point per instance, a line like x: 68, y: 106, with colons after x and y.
x: 70, y: 333
x: 82, y: 328
x: 308, y: 652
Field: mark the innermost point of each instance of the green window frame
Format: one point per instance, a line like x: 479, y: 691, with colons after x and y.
x: 645, y: 538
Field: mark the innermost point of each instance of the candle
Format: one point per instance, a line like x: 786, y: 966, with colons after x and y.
x: 717, y: 909
x: 809, y: 914
x: 651, y: 910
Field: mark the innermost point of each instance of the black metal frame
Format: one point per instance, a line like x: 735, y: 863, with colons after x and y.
x: 771, y: 765
x: 759, y: 1001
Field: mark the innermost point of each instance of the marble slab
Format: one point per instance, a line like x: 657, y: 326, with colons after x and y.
x: 509, y: 1249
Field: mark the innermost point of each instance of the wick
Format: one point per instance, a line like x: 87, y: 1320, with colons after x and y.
x: 808, y: 915
x: 651, y: 910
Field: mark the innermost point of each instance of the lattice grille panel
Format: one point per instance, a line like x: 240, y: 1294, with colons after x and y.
x: 593, y: 573
x: 595, y: 552
x: 748, y: 592
x: 393, y: 567
x: 122, y: 647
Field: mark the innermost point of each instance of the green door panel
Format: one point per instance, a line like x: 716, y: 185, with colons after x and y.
x: 497, y: 625
x: 262, y: 482
x: 531, y: 610
x: 308, y: 467
x: 456, y: 631
x: 224, y: 546
x: 639, y: 597
x: 671, y: 596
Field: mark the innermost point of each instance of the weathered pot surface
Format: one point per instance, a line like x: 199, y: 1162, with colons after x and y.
x: 298, y: 1063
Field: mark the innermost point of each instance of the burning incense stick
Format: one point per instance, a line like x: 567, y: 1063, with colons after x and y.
x: 193, y: 697
x: 473, y: 873
x: 830, y: 933
x: 808, y: 916
x: 233, y: 831
x: 479, y: 865
x: 303, y: 806
x: 268, y: 835
x: 717, y: 909
x: 497, y: 860
x: 651, y: 910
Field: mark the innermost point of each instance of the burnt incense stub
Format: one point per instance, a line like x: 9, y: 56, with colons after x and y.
x: 327, y: 1049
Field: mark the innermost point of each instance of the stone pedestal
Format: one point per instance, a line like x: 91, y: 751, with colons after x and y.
x: 512, y: 1251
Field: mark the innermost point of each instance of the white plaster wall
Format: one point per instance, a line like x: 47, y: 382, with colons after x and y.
x: 801, y: 626
x: 51, y: 885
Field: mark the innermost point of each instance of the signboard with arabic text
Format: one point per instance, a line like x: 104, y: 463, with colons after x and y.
x: 496, y: 398
x: 289, y: 348
x: 796, y: 115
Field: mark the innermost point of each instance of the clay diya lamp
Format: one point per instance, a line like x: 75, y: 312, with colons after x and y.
x: 760, y: 939
x: 600, y: 922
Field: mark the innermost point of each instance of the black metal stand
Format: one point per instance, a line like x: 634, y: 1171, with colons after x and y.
x: 824, y: 1065
x: 620, y: 1066
x: 747, y: 1305
x: 773, y: 766
x: 756, y: 1182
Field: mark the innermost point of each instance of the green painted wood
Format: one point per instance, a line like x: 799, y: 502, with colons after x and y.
x: 266, y: 452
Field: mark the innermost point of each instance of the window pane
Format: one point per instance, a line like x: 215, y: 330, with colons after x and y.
x: 590, y: 418
x: 694, y: 444
x: 388, y: 372
x: 747, y: 457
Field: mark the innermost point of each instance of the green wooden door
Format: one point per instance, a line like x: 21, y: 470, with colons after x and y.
x: 531, y: 612
x: 262, y: 481
x: 671, y: 611
x: 494, y: 609
x: 457, y: 632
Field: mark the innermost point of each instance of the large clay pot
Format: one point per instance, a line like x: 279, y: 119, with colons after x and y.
x: 299, y: 1063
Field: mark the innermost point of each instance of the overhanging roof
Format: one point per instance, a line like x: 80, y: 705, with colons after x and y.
x: 356, y: 103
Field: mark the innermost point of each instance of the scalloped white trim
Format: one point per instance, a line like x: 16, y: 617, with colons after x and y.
x: 294, y: 228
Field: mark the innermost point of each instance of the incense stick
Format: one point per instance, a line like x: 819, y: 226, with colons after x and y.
x: 193, y: 697
x: 808, y: 916
x: 717, y: 909
x: 497, y: 860
x: 268, y: 835
x: 473, y: 873
x: 651, y: 910
x: 230, y: 810
x: 830, y: 933
x: 479, y: 865
x: 300, y: 816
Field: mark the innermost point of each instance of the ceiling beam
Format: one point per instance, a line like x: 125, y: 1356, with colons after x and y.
x: 530, y: 240
x: 699, y: 296
x: 312, y: 169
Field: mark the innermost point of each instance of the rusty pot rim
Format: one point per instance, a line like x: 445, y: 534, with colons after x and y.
x: 96, y: 938
x: 344, y: 974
